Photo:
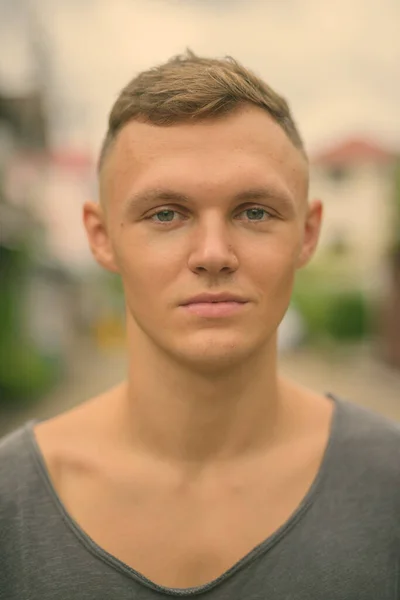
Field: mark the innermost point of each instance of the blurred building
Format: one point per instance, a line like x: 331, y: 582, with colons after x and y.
x: 38, y: 301
x: 358, y: 183
x: 23, y: 119
x: 355, y: 180
x: 55, y: 185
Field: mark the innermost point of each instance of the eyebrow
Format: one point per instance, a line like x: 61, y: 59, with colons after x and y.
x: 249, y: 195
x: 264, y: 193
x: 154, y: 195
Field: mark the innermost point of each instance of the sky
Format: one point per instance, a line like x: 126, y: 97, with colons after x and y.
x: 336, y: 63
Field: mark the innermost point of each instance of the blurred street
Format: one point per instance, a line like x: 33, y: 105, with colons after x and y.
x: 54, y: 111
x: 353, y: 373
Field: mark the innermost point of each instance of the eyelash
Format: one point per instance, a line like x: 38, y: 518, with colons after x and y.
x: 269, y: 214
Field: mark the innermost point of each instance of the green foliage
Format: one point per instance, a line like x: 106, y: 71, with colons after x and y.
x: 24, y: 374
x: 331, y: 311
x: 114, y: 284
x: 11, y: 269
x: 397, y: 210
x: 347, y: 316
x: 113, y: 292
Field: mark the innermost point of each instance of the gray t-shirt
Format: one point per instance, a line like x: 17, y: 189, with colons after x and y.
x: 342, y: 543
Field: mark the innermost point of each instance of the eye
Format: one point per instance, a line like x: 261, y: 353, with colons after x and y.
x: 255, y: 213
x: 164, y: 216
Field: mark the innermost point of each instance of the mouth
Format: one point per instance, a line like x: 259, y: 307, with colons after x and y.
x: 222, y: 297
x: 216, y: 305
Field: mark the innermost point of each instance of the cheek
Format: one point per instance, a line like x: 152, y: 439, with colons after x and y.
x: 275, y: 267
x: 144, y: 269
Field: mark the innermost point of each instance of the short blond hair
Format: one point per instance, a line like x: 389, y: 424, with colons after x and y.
x: 192, y: 88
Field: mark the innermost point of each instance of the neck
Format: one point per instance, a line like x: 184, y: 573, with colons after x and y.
x: 195, y: 418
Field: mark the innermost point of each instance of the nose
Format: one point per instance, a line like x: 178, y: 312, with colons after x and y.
x: 212, y: 249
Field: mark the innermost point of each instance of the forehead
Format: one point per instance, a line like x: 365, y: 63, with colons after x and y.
x: 242, y: 148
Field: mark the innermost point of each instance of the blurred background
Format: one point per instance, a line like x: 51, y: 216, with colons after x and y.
x: 62, y: 64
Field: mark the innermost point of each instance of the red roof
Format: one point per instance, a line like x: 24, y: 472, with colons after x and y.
x: 66, y: 159
x: 71, y: 160
x: 355, y: 151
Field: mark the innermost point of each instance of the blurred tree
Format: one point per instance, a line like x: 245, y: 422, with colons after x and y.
x: 396, y: 244
x: 25, y: 372
x: 391, y: 334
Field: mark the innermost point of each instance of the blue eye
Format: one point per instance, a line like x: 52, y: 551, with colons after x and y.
x: 164, y: 216
x: 256, y: 214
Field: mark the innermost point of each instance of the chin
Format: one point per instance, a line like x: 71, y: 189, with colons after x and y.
x: 216, y: 354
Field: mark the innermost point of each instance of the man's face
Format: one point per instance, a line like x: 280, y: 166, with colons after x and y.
x: 216, y: 207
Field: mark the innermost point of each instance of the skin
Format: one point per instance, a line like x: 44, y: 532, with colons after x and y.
x: 204, y: 429
x: 210, y: 246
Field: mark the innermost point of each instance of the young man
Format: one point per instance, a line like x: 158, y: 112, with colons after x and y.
x: 205, y: 473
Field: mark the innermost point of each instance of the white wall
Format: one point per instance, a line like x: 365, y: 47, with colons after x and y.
x: 361, y: 208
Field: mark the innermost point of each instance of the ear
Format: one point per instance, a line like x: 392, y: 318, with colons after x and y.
x: 311, y: 232
x: 95, y: 223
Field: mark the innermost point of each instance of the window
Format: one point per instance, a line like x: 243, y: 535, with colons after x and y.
x: 338, y: 174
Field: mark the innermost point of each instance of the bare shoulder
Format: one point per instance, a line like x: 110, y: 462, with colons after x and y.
x: 72, y: 440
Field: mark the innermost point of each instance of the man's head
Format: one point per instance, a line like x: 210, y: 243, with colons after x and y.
x: 189, y: 88
x: 203, y: 185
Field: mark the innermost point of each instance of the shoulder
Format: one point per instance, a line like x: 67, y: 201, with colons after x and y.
x: 18, y: 473
x: 361, y: 424
x: 368, y: 444
x: 14, y: 452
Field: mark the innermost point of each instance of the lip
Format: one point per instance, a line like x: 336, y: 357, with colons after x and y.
x: 214, y: 298
x: 215, y: 305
